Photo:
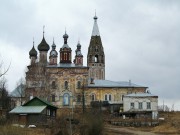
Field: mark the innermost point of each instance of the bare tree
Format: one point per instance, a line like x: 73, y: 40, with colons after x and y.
x: 3, y: 71
x: 4, y: 97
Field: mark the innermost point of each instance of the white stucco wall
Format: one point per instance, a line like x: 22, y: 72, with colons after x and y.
x: 128, y: 100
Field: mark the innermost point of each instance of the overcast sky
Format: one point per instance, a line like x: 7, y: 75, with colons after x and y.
x: 140, y: 38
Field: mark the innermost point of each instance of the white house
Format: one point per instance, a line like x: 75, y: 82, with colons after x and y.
x: 141, y: 102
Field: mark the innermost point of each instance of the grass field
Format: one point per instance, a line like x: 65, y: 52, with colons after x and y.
x: 170, y: 126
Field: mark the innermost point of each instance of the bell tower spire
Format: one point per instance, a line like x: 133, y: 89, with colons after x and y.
x: 96, y: 57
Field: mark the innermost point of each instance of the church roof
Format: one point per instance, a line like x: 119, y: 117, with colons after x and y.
x: 33, y: 52
x: 66, y: 65
x: 109, y: 84
x: 140, y: 95
x: 95, y: 31
x: 43, y: 46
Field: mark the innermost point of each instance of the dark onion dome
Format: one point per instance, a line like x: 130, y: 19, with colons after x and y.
x: 43, y: 46
x: 33, y: 52
x: 65, y: 35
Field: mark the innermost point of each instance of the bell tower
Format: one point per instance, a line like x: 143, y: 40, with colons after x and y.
x: 65, y: 51
x: 96, y: 57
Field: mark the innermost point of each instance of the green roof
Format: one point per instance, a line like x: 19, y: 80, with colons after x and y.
x: 39, y: 102
x: 28, y: 109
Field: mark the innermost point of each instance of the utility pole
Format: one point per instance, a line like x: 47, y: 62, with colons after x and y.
x: 83, y: 99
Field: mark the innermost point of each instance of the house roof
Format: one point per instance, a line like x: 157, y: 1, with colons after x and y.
x: 140, y: 95
x: 39, y: 102
x: 109, y: 84
x: 28, y: 109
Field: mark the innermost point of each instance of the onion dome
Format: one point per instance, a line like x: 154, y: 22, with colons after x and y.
x: 53, y: 52
x: 33, y: 52
x: 78, y: 50
x: 43, y: 46
x: 78, y: 45
x: 65, y: 36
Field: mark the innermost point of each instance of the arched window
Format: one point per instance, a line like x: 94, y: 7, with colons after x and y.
x: 78, y: 98
x: 53, y: 85
x: 78, y: 84
x: 66, y: 99
x: 96, y: 58
x: 65, y: 85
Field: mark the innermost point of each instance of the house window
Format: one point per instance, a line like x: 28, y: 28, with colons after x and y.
x: 53, y: 85
x: 148, y: 105
x: 122, y: 97
x: 66, y: 85
x: 53, y: 98
x: 48, y: 112
x: 132, y: 105
x: 93, y: 97
x: 108, y: 97
x: 78, y: 84
x: 140, y: 105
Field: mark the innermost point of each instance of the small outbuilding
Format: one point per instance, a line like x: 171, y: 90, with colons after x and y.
x: 141, y: 105
x: 35, y: 112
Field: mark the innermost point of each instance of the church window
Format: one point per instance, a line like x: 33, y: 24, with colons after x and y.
x: 78, y: 98
x: 96, y: 58
x: 122, y: 97
x: 93, y: 97
x: 53, y: 98
x: 53, y: 85
x: 78, y: 84
x: 107, y: 97
x: 66, y: 99
x: 65, y: 85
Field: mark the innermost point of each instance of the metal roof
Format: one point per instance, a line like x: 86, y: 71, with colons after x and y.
x: 95, y: 31
x: 66, y: 65
x: 28, y: 109
x: 65, y: 46
x: 140, y: 95
x: 107, y: 83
